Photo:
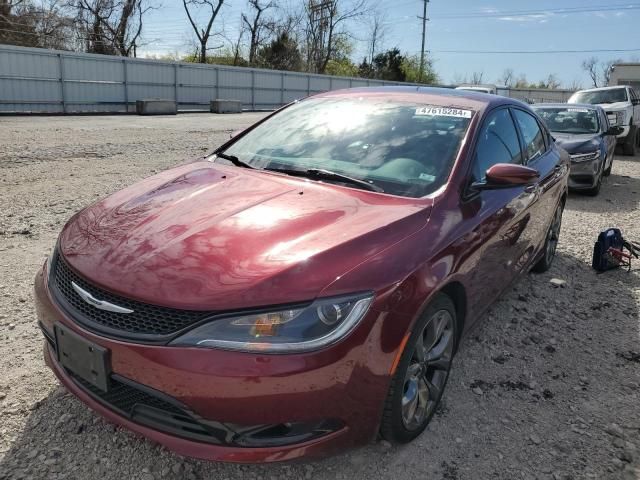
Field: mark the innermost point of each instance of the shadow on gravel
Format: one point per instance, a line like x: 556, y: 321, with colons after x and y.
x: 579, y: 342
x: 618, y: 193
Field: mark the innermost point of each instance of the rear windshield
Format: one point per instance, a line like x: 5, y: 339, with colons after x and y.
x: 569, y: 120
x: 599, y: 97
x: 404, y: 148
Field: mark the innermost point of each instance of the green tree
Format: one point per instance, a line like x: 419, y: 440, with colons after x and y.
x: 388, y: 66
x: 281, y: 54
x: 411, y: 69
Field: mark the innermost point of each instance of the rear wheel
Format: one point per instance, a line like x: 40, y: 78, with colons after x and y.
x: 421, y: 376
x: 551, y: 243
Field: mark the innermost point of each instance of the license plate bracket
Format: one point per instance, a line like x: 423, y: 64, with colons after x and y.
x: 82, y: 357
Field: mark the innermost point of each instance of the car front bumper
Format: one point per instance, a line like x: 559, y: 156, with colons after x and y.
x: 623, y: 136
x: 340, y: 390
x: 584, y: 175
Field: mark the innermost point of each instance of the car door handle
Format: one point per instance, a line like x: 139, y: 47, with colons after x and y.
x: 531, y: 188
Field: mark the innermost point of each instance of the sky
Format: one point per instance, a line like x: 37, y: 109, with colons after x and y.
x: 463, y: 36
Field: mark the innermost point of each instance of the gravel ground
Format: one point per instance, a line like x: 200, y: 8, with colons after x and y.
x: 547, y: 387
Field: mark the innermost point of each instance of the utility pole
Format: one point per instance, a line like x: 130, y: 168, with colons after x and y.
x: 424, y: 35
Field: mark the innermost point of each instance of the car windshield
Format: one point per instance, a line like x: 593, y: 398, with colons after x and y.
x: 400, y: 147
x: 597, y: 97
x: 569, y: 120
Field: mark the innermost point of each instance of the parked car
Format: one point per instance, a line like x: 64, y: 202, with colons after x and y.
x: 305, y: 286
x: 491, y: 89
x: 622, y: 105
x: 584, y: 132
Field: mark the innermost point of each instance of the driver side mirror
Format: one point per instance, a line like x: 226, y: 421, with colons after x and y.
x: 614, y: 131
x: 505, y: 175
x: 636, y: 101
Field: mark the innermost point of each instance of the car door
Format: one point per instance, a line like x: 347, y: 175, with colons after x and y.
x: 498, y: 219
x: 540, y: 154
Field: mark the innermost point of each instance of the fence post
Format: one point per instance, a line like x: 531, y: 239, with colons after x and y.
x: 126, y: 88
x: 62, y: 88
x: 217, y: 83
x: 253, y: 90
x: 282, y: 75
x: 175, y: 83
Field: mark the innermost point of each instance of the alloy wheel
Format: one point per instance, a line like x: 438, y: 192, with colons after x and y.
x: 554, y: 236
x: 428, y: 370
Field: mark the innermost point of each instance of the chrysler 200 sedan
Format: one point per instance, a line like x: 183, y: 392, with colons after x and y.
x: 305, y: 287
x: 584, y: 132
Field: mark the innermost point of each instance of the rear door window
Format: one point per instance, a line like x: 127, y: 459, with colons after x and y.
x: 534, y: 145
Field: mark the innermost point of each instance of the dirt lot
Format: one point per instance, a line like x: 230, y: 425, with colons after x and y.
x: 547, y: 387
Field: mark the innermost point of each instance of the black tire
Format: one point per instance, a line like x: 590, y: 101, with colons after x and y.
x: 607, y: 171
x: 429, y: 375
x: 551, y: 242
x: 629, y: 147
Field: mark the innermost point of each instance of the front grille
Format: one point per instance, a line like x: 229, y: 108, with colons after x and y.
x: 145, y: 320
x: 151, y: 410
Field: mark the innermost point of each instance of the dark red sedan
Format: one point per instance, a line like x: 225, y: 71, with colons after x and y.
x: 305, y: 287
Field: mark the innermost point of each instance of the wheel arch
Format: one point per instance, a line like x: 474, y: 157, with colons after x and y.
x: 458, y: 294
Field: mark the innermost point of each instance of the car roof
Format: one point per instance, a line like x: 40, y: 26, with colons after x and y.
x: 566, y: 105
x: 612, y: 87
x: 441, y: 96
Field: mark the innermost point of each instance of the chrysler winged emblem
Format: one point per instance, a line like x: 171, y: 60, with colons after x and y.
x: 101, y: 304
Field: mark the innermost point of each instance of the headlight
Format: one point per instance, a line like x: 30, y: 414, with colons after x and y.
x: 322, y: 323
x: 586, y: 157
x: 617, y: 118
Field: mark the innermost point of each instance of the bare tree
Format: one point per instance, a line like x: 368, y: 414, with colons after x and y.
x: 575, y: 85
x: 507, y: 78
x: 590, y: 66
x: 203, y: 34
x: 607, y: 69
x: 377, y: 32
x: 325, y: 25
x: 257, y: 26
x: 477, y: 78
x: 552, y: 82
x: 112, y: 26
x: 44, y: 24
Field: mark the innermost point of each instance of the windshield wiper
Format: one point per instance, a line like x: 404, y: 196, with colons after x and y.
x: 322, y: 174
x: 235, y: 160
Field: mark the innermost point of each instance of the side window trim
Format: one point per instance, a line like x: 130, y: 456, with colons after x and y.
x: 525, y: 156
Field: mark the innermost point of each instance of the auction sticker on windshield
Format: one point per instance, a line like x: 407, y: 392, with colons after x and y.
x: 443, y: 112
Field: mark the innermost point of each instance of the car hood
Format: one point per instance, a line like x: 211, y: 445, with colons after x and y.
x: 213, y: 237
x: 612, y: 107
x: 573, y: 143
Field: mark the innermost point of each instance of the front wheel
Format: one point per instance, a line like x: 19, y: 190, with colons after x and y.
x: 551, y: 242
x: 421, y: 376
x: 629, y: 147
x: 607, y: 170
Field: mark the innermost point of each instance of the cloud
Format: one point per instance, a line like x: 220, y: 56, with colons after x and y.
x: 534, y: 17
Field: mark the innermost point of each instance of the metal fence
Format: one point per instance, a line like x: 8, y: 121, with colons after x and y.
x: 537, y: 95
x: 50, y: 81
